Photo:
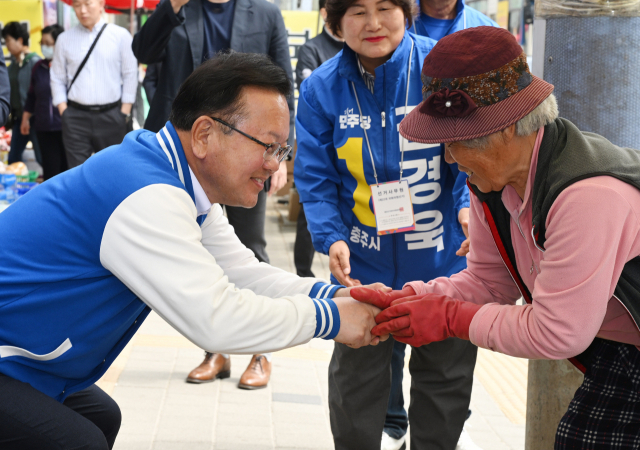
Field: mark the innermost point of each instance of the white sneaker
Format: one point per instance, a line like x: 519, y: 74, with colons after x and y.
x: 389, y: 443
x: 465, y: 442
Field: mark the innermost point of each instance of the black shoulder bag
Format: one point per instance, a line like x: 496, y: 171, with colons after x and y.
x: 84, y: 61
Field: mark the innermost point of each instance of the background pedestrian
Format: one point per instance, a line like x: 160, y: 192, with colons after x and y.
x: 21, y: 65
x: 39, y: 109
x: 95, y: 98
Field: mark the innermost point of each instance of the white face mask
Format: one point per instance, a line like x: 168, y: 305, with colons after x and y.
x: 47, y: 51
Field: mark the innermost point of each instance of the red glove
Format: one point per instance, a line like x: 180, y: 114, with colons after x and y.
x: 380, y: 299
x: 420, y: 320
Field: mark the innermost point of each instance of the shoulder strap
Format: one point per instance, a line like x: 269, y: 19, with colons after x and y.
x: 84, y: 61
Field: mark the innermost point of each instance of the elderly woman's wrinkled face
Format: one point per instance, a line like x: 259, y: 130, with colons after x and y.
x: 489, y: 168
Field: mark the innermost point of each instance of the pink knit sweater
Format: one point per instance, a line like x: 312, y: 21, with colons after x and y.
x: 593, y: 229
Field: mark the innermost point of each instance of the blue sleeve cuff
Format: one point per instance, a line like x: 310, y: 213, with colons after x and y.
x: 323, y: 290
x: 327, y: 318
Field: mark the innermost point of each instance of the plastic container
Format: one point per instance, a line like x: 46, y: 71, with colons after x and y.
x: 33, y: 175
x: 22, y: 188
x: 7, y: 195
x: 8, y: 179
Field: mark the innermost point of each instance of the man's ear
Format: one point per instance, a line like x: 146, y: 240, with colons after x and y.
x: 201, y: 136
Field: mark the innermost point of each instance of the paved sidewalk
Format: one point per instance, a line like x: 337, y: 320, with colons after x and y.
x: 162, y: 412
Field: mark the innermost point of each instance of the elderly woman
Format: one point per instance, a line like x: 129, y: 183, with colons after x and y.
x: 348, y: 143
x: 554, y: 218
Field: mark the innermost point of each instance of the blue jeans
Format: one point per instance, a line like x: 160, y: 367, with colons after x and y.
x: 396, y: 422
x: 19, y: 143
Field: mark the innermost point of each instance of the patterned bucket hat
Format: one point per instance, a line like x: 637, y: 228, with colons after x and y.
x: 475, y: 82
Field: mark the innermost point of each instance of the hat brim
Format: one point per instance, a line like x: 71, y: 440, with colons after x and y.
x: 420, y: 127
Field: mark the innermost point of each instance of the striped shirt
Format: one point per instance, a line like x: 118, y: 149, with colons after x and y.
x: 369, y: 79
x: 110, y: 74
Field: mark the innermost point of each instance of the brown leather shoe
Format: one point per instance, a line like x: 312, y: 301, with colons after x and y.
x: 257, y: 374
x: 214, y: 366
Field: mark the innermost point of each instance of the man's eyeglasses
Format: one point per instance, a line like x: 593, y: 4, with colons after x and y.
x: 273, y: 150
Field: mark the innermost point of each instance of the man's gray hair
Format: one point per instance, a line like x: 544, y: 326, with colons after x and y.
x: 545, y: 113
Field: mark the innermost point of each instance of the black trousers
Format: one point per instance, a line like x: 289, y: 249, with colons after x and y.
x: 87, y: 132
x: 303, y: 250
x: 54, y: 156
x: 360, y: 382
x: 31, y: 420
x: 248, y: 223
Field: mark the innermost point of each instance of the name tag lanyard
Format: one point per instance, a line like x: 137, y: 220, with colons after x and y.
x: 392, y: 205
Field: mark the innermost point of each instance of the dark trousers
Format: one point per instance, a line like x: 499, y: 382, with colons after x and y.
x: 360, y: 382
x: 605, y: 411
x: 397, y: 421
x: 31, y: 420
x: 303, y: 250
x: 87, y: 132
x: 19, y: 143
x: 54, y: 156
x: 248, y: 224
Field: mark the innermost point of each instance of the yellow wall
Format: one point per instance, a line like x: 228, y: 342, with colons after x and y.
x: 29, y: 11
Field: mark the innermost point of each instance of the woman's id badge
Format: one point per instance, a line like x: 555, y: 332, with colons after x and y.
x: 392, y: 207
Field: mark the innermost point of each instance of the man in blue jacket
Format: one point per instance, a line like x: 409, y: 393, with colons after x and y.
x: 139, y: 227
x: 440, y: 18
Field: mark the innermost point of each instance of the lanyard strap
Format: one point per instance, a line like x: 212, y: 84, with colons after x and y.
x: 406, y: 103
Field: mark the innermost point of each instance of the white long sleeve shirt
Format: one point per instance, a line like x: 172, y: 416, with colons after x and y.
x: 110, y: 73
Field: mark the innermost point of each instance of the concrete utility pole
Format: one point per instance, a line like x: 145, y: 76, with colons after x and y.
x: 551, y: 385
x: 588, y: 50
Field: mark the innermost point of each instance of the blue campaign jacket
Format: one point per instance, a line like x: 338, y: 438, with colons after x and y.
x: 466, y: 17
x: 64, y: 317
x: 333, y: 170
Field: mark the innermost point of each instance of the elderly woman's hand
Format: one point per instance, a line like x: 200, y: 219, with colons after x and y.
x: 463, y: 218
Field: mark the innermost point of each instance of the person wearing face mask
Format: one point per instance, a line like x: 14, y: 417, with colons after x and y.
x: 349, y: 154
x: 39, y: 109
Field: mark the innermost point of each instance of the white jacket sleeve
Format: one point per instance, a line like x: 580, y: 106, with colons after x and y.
x: 153, y: 244
x: 243, y: 268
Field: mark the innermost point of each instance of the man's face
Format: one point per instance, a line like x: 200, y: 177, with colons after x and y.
x: 234, y: 170
x: 488, y: 168
x: 88, y: 11
x: 373, y: 28
x: 440, y: 9
x: 14, y: 45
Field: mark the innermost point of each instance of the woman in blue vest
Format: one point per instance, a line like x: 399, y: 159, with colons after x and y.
x: 347, y: 129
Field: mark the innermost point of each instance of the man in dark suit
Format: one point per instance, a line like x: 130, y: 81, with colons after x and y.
x: 180, y: 35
